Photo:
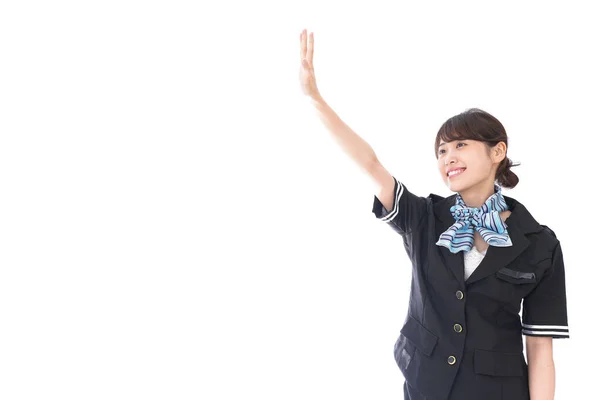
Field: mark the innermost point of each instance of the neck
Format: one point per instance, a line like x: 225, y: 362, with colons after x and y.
x: 476, y: 196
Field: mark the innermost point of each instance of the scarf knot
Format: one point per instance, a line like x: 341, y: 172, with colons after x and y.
x: 485, y: 220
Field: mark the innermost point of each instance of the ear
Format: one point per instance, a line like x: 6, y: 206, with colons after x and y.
x: 499, y: 152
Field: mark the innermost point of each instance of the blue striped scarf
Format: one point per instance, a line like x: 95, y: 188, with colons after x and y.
x: 486, y: 220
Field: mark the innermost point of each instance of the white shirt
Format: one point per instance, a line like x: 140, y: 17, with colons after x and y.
x: 472, y: 260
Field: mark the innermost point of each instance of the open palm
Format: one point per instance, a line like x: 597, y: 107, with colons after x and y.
x: 308, y: 81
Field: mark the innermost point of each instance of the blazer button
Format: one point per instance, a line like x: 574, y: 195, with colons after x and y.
x: 451, y: 360
x: 457, y: 328
x: 459, y: 295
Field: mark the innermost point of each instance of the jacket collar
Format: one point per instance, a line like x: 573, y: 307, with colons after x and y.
x: 519, y: 224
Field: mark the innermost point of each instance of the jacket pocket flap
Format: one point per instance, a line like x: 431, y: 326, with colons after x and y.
x: 515, y: 276
x: 498, y: 363
x: 419, y: 336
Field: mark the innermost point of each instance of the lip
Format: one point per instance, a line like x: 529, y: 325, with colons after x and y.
x: 454, y: 169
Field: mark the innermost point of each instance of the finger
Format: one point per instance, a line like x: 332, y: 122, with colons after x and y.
x: 303, y: 44
x: 310, y: 48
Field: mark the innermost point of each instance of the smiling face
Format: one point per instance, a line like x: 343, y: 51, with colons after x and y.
x: 475, y: 141
x: 475, y: 163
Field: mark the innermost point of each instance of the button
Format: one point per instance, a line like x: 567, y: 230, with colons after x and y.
x: 459, y: 295
x: 451, y: 360
x: 457, y: 328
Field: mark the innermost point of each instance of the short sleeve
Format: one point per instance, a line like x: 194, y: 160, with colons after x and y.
x: 407, y: 212
x: 545, y: 308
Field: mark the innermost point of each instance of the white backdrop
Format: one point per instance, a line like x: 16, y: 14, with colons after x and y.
x: 177, y: 224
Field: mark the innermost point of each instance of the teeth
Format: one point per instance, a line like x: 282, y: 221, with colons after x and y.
x: 458, y: 171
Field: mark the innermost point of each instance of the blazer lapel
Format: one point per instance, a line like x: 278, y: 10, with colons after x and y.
x: 519, y: 223
x: 444, y: 220
x: 497, y: 258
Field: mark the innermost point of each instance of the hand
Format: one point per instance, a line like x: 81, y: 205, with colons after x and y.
x: 308, y: 81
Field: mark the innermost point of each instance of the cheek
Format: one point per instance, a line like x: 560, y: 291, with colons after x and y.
x: 442, y: 169
x: 481, y: 163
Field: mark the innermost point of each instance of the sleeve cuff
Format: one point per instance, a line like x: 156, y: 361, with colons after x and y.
x: 554, y: 331
x: 381, y: 212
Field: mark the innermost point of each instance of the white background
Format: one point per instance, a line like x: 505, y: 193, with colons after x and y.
x: 177, y: 224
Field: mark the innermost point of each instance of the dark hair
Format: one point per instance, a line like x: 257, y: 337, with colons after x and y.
x: 476, y: 124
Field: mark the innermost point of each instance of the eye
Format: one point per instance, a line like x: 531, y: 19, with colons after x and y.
x: 458, y: 144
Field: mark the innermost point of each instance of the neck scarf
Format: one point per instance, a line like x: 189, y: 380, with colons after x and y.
x: 486, y: 220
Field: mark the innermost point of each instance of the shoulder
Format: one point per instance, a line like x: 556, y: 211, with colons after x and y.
x: 440, y: 207
x: 545, y: 242
x: 436, y: 198
x: 541, y: 235
x: 548, y: 232
x: 549, y: 236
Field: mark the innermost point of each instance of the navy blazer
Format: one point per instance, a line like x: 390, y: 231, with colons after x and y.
x: 463, y: 339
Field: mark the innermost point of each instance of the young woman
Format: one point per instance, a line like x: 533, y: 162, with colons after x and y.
x: 477, y: 256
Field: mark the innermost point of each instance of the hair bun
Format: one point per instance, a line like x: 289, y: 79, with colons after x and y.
x: 505, y: 177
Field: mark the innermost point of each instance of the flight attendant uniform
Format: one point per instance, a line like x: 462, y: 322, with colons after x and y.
x: 462, y: 338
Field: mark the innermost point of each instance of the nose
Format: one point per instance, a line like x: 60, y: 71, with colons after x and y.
x: 450, y: 159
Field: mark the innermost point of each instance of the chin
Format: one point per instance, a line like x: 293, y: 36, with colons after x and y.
x: 457, y: 186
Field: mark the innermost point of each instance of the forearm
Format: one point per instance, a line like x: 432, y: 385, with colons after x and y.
x: 541, y: 377
x: 350, y: 142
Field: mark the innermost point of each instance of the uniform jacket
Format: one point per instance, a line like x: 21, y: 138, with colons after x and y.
x: 463, y: 339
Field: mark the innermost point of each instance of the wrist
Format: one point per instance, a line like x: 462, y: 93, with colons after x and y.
x: 317, y: 100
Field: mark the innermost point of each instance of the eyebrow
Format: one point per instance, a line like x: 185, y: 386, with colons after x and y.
x: 443, y: 143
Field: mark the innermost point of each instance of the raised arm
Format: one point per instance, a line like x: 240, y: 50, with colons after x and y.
x: 350, y: 142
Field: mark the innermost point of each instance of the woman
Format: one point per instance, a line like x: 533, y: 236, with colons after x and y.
x: 476, y: 257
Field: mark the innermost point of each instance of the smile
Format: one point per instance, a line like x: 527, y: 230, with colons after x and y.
x: 456, y: 172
